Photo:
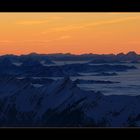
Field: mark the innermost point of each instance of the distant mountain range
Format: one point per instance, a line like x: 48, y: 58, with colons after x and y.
x: 40, y: 65
x: 95, y: 58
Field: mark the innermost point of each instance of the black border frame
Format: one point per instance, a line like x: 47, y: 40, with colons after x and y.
x: 69, y: 6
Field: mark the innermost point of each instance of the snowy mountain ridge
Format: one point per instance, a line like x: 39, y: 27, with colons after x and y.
x: 62, y: 103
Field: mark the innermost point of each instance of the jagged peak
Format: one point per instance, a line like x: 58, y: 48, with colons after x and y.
x: 131, y: 53
x: 66, y: 81
x: 120, y: 54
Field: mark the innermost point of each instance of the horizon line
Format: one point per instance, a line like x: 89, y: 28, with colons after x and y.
x: 70, y: 53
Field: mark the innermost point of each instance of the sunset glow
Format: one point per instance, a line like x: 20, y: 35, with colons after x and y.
x: 78, y: 33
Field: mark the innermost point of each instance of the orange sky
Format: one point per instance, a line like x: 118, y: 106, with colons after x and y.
x: 102, y: 33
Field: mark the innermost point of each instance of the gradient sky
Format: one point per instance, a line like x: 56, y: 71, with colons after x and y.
x: 102, y: 33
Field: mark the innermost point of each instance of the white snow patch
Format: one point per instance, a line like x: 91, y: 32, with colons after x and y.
x: 17, y: 63
x: 37, y: 85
